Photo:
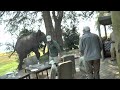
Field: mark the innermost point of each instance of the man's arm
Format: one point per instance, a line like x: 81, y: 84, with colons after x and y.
x: 58, y: 47
x: 59, y: 50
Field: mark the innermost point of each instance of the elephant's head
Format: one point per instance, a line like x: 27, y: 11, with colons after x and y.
x: 40, y: 36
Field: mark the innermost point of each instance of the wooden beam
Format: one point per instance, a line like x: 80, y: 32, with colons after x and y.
x: 105, y: 31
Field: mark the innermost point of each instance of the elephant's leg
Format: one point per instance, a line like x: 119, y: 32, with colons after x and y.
x: 20, y: 65
x: 37, y: 54
x: 21, y: 57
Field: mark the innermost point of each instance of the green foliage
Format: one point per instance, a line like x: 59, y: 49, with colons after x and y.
x: 16, y: 20
x: 10, y: 46
x: 71, y: 39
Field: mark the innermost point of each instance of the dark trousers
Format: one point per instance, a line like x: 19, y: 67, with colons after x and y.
x: 92, y: 69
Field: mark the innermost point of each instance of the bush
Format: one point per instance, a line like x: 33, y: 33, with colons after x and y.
x: 71, y: 39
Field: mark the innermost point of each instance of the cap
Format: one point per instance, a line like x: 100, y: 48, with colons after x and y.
x: 86, y: 28
x: 48, y: 38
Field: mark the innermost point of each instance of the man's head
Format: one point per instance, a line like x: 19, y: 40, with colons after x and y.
x: 48, y: 38
x: 86, y: 29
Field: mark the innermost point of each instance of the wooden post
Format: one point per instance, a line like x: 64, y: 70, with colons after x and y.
x: 99, y: 31
x: 102, y: 52
x: 105, y: 31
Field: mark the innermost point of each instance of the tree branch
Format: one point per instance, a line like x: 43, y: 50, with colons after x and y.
x: 54, y: 17
x: 16, y: 15
x: 2, y: 13
x: 60, y: 14
x: 87, y: 14
x: 91, y: 13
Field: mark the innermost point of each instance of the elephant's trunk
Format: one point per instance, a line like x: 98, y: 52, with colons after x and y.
x: 44, y: 49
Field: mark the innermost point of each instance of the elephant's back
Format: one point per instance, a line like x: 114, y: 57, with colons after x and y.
x: 25, y: 43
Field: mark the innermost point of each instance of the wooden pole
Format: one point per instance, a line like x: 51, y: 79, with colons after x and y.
x: 99, y: 32
x: 105, y: 31
x: 102, y: 52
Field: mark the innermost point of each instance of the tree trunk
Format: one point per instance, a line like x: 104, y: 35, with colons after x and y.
x: 58, y: 32
x: 116, y: 29
x: 48, y: 23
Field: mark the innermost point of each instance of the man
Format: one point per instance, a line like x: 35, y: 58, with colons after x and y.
x: 90, y: 48
x: 112, y: 49
x: 54, y: 55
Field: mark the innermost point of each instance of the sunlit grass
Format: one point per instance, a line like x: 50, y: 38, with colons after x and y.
x: 10, y: 64
x: 7, y: 64
x: 8, y: 68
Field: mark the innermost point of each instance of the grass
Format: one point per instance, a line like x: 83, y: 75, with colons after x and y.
x: 7, y: 64
x: 10, y: 64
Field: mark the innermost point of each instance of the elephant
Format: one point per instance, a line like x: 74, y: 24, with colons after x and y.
x: 26, y: 44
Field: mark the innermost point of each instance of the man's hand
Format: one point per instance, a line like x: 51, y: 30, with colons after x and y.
x: 80, y: 54
x: 59, y: 57
x: 112, y: 41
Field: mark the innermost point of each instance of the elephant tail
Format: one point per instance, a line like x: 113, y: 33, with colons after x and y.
x: 11, y: 54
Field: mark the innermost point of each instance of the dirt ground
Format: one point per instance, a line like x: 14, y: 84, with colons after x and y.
x: 108, y: 70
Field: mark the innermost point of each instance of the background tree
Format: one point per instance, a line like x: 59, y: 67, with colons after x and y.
x: 10, y: 46
x: 71, y: 39
x: 15, y: 21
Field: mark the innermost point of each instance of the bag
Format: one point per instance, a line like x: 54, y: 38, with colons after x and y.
x: 53, y: 70
x: 82, y: 64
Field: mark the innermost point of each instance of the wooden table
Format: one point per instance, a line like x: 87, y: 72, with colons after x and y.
x: 19, y: 75
x: 40, y: 68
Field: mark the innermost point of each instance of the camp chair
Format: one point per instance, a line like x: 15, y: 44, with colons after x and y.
x: 71, y: 58
x: 65, y: 70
